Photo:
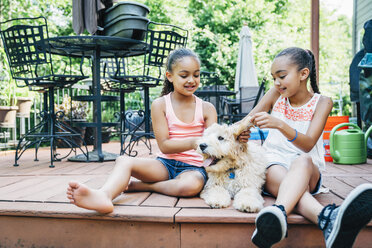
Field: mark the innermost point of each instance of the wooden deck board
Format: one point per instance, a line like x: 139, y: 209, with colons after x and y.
x: 131, y: 199
x: 37, y: 193
x: 194, y: 202
x: 160, y: 200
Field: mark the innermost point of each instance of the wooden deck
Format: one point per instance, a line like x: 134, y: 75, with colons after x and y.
x: 34, y: 211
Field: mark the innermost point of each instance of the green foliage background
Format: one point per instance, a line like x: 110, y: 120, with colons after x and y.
x: 214, y: 27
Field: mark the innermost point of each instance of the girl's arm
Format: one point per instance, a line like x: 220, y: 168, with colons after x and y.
x: 306, y: 141
x: 161, y: 131
x: 209, y: 114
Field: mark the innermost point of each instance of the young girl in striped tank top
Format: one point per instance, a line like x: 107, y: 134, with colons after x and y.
x: 178, y: 119
x: 296, y: 157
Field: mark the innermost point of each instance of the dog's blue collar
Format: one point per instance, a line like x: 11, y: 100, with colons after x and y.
x: 231, y: 173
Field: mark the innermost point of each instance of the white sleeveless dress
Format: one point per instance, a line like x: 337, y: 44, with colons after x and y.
x: 279, y: 149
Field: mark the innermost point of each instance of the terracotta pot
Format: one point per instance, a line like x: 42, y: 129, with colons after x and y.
x: 24, y: 104
x: 8, y: 116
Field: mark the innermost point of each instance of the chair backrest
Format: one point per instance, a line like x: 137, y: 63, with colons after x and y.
x: 247, y: 104
x: 110, y: 68
x: 162, y: 39
x: 26, y: 48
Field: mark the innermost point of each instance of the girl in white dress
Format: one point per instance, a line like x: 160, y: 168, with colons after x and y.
x: 296, y: 154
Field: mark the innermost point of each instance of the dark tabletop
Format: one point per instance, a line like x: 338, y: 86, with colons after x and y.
x: 77, y: 46
x: 214, y: 90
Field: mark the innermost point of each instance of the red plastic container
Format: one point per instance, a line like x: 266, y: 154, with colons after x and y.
x: 332, y: 121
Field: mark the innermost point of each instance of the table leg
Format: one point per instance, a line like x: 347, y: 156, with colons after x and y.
x: 97, y: 108
x: 97, y: 155
x: 147, y: 110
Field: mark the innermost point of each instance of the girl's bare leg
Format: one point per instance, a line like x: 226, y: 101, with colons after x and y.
x: 188, y: 183
x: 292, y: 187
x: 100, y: 200
x: 309, y: 207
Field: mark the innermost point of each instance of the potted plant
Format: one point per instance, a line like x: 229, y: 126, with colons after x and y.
x: 73, y: 110
x: 69, y: 112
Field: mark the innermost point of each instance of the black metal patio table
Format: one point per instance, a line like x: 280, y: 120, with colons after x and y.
x: 96, y: 47
x: 216, y: 91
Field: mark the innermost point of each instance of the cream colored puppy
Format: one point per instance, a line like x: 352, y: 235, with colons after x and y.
x: 235, y: 169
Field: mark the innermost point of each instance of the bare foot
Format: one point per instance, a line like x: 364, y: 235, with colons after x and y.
x: 85, y: 197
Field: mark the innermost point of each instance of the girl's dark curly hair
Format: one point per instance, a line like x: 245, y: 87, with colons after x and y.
x: 303, y: 59
x: 172, y: 59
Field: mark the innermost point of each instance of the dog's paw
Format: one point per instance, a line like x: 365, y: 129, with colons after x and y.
x: 250, y: 204
x: 216, y: 199
x: 220, y: 203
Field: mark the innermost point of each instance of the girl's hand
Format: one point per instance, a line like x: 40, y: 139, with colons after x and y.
x: 244, y: 136
x: 265, y: 120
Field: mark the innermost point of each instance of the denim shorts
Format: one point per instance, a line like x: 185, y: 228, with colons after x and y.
x: 175, y: 168
x: 315, y: 191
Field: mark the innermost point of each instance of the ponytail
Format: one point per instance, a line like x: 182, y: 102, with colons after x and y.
x: 312, y: 76
x: 167, y: 87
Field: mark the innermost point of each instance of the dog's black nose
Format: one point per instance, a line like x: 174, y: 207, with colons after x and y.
x: 203, y: 146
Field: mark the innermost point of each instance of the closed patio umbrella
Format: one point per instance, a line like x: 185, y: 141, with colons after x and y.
x: 245, y: 76
x: 85, y: 14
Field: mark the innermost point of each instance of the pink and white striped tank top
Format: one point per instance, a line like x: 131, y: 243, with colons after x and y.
x: 180, y: 130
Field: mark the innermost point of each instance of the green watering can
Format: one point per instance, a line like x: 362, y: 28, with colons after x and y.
x: 349, y: 146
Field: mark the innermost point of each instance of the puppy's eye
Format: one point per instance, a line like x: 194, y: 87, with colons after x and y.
x: 220, y: 138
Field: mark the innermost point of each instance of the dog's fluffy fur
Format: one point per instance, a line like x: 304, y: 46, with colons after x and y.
x: 237, y: 169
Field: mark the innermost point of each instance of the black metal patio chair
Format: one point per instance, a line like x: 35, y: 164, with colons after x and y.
x: 26, y: 45
x: 143, y: 73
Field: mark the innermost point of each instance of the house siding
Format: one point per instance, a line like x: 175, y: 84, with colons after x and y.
x: 362, y: 13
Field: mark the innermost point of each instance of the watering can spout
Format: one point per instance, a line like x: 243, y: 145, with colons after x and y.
x: 336, y: 156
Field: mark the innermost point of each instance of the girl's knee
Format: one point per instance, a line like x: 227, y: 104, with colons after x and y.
x: 188, y: 188
x: 303, y: 162
x: 124, y: 161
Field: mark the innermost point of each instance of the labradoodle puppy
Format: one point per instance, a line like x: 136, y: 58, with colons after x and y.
x: 235, y: 169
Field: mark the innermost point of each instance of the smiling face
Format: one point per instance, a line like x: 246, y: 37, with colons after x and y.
x: 287, y: 78
x: 185, y: 75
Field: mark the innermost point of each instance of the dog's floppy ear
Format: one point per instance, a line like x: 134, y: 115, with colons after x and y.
x: 241, y: 126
